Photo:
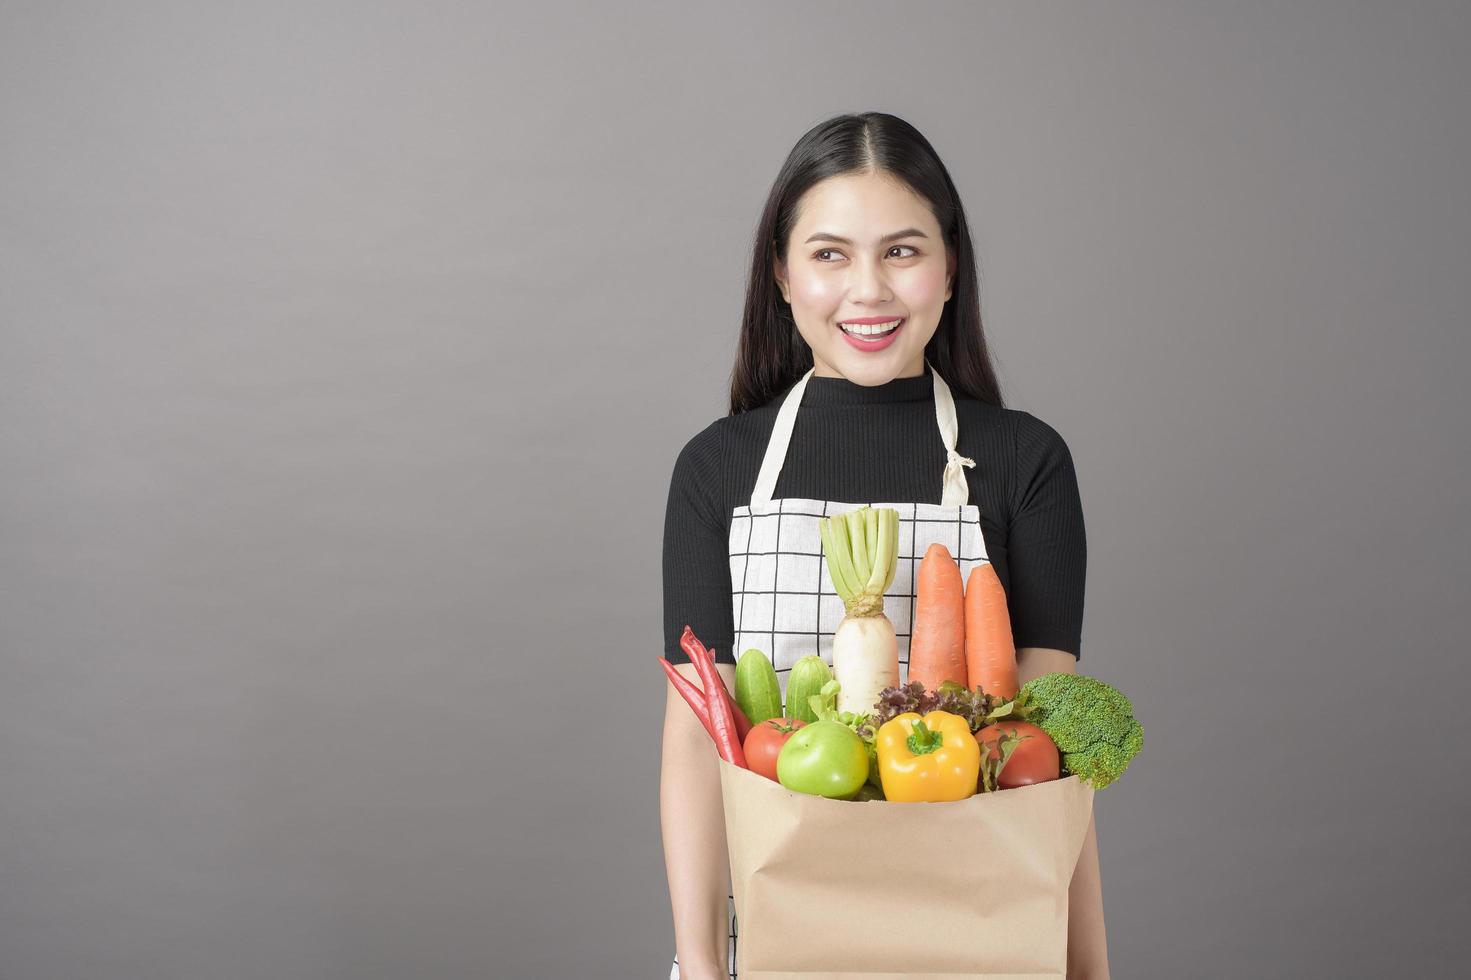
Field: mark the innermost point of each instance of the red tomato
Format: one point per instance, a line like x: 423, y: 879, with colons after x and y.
x: 1034, y: 760
x: 764, y: 742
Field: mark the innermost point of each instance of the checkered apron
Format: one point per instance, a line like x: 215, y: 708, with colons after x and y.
x: 781, y: 596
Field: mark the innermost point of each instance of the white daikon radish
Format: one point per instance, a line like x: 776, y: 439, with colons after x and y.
x: 861, y: 548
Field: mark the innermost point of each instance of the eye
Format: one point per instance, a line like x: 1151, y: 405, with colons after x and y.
x: 818, y: 255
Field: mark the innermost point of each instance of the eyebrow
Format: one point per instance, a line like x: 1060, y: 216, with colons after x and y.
x: 828, y: 237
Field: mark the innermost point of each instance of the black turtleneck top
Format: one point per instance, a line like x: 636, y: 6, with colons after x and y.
x: 856, y: 443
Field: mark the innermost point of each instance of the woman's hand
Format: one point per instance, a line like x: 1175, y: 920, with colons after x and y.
x: 692, y: 821
x: 1087, y: 941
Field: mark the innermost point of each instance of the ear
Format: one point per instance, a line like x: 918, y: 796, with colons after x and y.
x: 950, y: 266
x: 779, y: 272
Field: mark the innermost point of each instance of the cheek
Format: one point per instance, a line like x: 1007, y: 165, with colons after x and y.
x: 925, y: 289
x: 816, y: 292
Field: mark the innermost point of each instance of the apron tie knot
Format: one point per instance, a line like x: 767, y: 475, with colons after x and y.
x: 955, y: 491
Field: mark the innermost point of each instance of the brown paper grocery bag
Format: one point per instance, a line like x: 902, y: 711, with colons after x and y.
x: 830, y: 889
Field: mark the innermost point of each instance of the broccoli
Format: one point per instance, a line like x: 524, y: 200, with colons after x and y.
x: 1091, y: 722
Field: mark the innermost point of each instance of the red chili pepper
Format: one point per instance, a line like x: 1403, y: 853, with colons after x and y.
x: 692, y: 694
x: 693, y: 648
x: 722, y: 720
x: 690, y: 644
x: 742, y: 723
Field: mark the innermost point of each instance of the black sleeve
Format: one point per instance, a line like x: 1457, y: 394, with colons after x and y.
x: 1046, y: 546
x: 696, y: 551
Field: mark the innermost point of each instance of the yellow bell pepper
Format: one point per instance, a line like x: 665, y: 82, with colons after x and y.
x: 934, y: 759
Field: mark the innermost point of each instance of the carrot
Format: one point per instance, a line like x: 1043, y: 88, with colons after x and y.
x: 937, y: 643
x: 990, y: 657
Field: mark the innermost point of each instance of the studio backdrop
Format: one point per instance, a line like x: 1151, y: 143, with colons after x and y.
x: 346, y: 350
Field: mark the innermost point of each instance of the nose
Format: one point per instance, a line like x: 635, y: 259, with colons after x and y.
x: 867, y: 283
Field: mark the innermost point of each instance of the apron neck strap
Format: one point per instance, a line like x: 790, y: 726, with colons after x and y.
x: 954, y: 492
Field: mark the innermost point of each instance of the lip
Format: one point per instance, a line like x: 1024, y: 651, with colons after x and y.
x: 870, y: 346
x: 873, y: 319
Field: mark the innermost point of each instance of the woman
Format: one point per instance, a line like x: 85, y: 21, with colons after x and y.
x: 862, y: 375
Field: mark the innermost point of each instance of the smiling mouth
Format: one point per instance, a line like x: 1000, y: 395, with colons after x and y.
x: 871, y: 331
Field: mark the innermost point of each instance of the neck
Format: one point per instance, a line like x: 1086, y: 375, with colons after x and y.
x: 914, y: 369
x: 824, y: 390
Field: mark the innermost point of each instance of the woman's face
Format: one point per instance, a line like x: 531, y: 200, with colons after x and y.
x: 865, y: 247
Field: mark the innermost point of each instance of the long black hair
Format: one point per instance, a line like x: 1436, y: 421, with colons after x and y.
x: 771, y: 355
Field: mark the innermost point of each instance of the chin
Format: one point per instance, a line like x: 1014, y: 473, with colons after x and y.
x: 871, y: 370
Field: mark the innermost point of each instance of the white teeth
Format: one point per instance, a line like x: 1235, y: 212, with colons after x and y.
x: 869, y: 329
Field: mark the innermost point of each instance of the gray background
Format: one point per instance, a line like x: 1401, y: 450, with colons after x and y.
x: 347, y: 349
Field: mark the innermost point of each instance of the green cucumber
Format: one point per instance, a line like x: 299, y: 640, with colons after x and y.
x: 756, y: 689
x: 807, y: 678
